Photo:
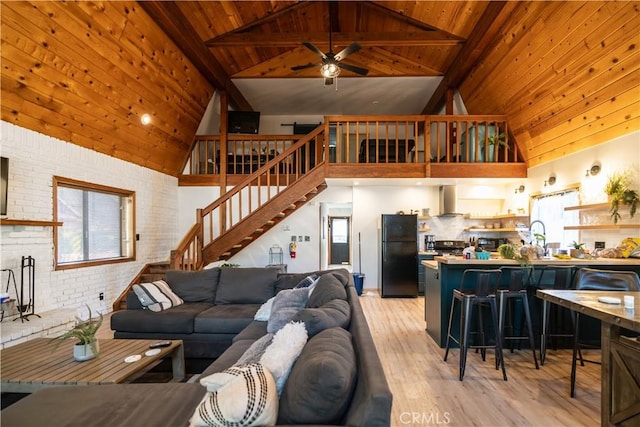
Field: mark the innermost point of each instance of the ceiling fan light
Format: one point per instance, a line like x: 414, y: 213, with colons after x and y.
x: 330, y: 70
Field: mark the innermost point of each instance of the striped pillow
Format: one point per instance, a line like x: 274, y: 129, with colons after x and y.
x: 156, y: 296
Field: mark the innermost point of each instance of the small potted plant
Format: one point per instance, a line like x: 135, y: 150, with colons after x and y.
x: 577, y: 251
x: 85, y: 332
x: 619, y: 190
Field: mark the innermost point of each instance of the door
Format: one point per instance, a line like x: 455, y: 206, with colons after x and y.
x: 339, y: 239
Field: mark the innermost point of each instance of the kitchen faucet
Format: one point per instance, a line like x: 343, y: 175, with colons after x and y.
x: 544, y: 233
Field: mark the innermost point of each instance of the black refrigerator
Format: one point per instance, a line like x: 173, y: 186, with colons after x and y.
x: 399, y: 256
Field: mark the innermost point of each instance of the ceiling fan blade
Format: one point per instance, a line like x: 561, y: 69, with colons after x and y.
x: 353, y: 68
x: 304, y: 67
x: 352, y: 48
x: 314, y: 49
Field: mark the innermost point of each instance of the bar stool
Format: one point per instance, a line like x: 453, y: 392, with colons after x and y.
x: 517, y: 279
x: 483, y: 293
x: 554, y: 277
x: 590, y: 279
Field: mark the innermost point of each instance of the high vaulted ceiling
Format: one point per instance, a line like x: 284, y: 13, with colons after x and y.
x: 566, y: 74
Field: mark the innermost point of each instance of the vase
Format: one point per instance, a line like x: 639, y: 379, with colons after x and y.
x: 83, y: 352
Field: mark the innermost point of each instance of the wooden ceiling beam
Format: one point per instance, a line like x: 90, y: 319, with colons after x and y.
x: 168, y: 16
x: 377, y: 39
x: 488, y: 27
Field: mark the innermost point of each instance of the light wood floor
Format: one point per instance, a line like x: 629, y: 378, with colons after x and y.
x: 426, y: 390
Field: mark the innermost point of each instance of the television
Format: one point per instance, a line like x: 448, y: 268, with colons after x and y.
x: 243, y: 122
x: 4, y: 184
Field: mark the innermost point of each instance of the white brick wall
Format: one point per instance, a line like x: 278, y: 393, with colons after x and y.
x: 33, y: 161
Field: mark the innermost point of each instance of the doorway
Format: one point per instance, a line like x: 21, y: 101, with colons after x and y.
x: 339, y: 240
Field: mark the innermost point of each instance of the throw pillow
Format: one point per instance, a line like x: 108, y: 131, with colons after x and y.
x: 328, y: 287
x: 322, y: 381
x: 156, y: 296
x: 283, y: 351
x: 248, y: 398
x: 285, y: 305
x: 306, y: 282
x: 255, y: 350
x: 194, y: 286
x: 245, y: 285
x: 264, y: 311
x: 334, y: 313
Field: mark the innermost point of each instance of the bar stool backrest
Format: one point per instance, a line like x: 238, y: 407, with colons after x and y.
x: 555, y: 277
x: 592, y: 279
x: 516, y: 278
x: 485, y: 281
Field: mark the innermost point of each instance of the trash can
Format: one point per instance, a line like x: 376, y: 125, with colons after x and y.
x: 358, y: 280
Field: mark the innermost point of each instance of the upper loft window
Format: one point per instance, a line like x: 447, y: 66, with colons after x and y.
x: 97, y: 224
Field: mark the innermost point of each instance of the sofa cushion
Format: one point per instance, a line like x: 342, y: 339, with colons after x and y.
x: 334, y: 313
x: 288, y: 280
x: 156, y: 296
x: 253, y: 331
x: 246, y: 285
x: 176, y: 320
x: 228, y: 358
x: 285, y: 305
x: 329, y: 287
x: 246, y: 397
x: 225, y: 319
x: 194, y: 286
x: 321, y: 382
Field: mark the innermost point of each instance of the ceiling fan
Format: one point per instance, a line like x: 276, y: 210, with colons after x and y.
x: 330, y: 65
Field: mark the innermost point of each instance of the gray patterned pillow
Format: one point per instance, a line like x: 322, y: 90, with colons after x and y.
x: 285, y: 305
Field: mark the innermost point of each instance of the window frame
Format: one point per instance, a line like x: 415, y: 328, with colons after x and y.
x: 97, y: 188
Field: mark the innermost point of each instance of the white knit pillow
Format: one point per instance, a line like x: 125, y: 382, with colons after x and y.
x: 281, y: 354
x: 156, y: 296
x: 245, y: 395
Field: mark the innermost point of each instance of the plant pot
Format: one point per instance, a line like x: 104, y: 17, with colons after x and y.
x: 576, y: 253
x: 83, y: 352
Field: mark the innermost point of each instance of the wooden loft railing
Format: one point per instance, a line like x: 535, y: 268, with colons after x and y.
x: 433, y: 146
x: 257, y: 201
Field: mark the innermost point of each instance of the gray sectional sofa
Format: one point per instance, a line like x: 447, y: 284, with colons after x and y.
x: 336, y: 380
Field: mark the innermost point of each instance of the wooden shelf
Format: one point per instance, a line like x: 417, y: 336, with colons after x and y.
x: 30, y: 222
x: 420, y: 230
x: 505, y: 216
x: 492, y: 230
x: 424, y: 217
x: 587, y: 207
x: 602, y: 227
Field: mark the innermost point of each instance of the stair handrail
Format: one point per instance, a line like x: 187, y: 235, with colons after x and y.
x: 188, y: 254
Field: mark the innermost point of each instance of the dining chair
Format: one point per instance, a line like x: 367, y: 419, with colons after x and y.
x: 590, y: 279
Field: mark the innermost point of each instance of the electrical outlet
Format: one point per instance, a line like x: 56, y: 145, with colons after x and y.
x: 101, y: 296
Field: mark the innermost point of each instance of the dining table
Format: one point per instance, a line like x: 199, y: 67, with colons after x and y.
x: 620, y: 347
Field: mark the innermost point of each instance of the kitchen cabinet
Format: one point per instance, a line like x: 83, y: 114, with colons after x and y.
x: 598, y: 210
x: 421, y: 270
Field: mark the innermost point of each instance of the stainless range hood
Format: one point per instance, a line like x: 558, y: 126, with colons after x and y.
x: 449, y: 200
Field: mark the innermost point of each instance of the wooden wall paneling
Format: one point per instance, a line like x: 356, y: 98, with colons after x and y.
x: 554, y: 61
x: 559, y: 112
x: 94, y: 70
x: 383, y: 62
x: 559, y: 136
x: 516, y: 44
x: 280, y: 66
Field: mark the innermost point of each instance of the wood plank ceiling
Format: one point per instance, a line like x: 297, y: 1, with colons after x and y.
x: 566, y: 74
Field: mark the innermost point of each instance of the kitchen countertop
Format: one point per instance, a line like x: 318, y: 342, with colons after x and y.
x: 453, y: 260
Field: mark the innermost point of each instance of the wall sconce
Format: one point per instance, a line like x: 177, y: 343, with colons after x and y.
x: 550, y: 181
x: 519, y: 189
x: 594, y: 170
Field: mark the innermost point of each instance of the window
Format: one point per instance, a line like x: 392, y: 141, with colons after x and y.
x: 97, y: 224
x: 549, y: 208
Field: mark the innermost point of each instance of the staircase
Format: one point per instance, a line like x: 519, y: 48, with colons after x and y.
x: 243, y: 214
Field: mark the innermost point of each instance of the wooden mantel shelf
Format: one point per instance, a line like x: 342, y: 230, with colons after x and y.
x: 5, y: 221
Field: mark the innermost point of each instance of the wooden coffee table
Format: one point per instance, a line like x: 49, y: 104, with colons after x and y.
x: 37, y: 364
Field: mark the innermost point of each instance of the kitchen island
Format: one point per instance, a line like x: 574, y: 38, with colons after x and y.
x: 444, y: 273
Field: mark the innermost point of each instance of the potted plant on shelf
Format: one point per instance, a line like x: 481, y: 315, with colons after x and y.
x: 85, y: 332
x: 618, y: 188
